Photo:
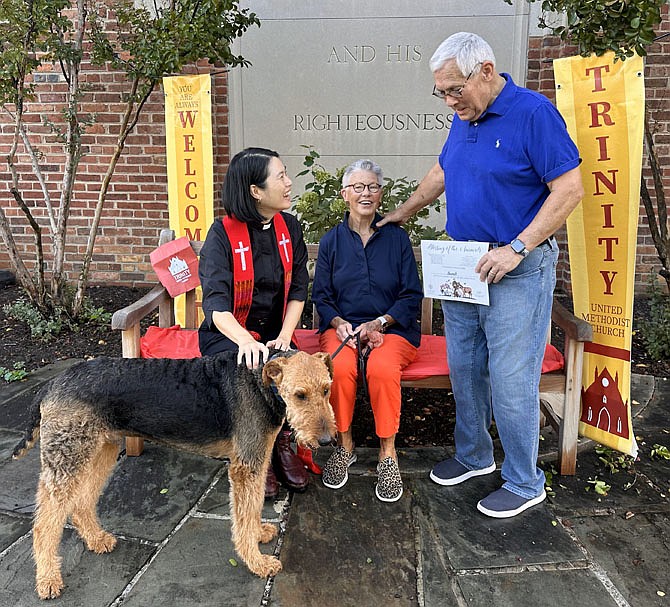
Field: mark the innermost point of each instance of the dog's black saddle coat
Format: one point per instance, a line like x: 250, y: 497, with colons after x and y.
x: 182, y: 400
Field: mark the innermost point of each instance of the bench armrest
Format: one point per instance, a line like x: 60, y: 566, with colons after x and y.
x: 127, y: 320
x: 573, y: 327
x: 131, y: 315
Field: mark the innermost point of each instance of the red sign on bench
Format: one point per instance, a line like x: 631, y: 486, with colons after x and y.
x: 176, y: 265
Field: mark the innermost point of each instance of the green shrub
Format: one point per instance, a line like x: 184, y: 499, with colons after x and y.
x: 321, y: 207
x: 41, y: 327
x: 656, y: 329
x: 46, y: 327
x: 98, y: 316
x: 16, y: 373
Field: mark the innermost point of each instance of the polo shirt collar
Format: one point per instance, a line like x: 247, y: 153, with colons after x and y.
x: 504, y: 100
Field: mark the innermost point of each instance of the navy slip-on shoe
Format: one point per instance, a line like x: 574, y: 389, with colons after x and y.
x: 451, y: 472
x: 505, y: 504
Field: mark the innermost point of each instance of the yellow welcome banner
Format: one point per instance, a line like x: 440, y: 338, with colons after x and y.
x: 188, y: 132
x: 602, y: 102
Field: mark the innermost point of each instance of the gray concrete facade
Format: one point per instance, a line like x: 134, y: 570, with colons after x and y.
x: 352, y: 79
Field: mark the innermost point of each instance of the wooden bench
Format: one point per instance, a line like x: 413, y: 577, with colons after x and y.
x: 560, y: 390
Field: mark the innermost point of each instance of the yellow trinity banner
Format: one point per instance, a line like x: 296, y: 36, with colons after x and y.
x: 188, y: 132
x: 602, y: 102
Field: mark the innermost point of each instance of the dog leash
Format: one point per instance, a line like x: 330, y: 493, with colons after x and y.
x: 334, y: 354
x: 362, y: 356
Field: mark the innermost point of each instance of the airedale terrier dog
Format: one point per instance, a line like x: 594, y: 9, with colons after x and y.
x: 210, y: 405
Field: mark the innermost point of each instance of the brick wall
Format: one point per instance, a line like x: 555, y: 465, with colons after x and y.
x: 136, y: 207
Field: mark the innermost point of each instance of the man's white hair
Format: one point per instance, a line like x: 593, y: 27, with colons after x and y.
x: 467, y: 49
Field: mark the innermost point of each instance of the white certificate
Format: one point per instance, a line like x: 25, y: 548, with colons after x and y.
x: 449, y: 270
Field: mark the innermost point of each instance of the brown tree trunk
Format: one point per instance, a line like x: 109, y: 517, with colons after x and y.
x: 70, y: 70
x: 34, y: 287
x: 657, y: 218
x: 128, y: 123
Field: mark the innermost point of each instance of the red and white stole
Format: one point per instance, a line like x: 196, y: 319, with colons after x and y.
x: 243, y: 264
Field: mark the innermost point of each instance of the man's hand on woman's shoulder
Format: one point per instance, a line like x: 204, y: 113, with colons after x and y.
x: 395, y: 216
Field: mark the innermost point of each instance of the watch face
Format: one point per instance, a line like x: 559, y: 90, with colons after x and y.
x: 517, y: 246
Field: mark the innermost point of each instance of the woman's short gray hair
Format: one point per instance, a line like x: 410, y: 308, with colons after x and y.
x: 362, y: 165
x: 467, y: 49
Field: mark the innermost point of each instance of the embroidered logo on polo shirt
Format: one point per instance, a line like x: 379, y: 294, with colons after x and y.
x: 497, y: 143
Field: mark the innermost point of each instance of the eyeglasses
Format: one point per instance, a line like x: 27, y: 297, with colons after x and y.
x: 359, y: 187
x: 457, y: 92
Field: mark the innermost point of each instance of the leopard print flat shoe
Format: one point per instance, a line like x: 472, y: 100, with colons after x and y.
x: 335, y: 472
x: 389, y: 486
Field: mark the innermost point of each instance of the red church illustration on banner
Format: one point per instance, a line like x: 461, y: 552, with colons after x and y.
x: 603, y: 406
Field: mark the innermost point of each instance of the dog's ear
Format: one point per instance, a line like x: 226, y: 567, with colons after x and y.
x: 273, y: 371
x: 325, y: 357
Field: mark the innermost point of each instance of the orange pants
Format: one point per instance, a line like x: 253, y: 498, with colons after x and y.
x: 384, y: 366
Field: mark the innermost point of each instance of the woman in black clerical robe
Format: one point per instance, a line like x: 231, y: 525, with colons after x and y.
x: 253, y: 271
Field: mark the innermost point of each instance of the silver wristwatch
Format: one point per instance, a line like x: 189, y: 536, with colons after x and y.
x: 519, y: 247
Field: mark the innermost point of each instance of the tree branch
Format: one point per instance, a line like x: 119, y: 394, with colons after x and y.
x: 657, y: 218
x: 128, y: 123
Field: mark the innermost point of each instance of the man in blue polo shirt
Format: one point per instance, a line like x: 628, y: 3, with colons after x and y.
x: 510, y: 174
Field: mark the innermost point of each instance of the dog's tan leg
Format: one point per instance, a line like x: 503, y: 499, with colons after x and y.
x: 84, y: 515
x: 267, y: 531
x: 50, y: 517
x: 246, y: 497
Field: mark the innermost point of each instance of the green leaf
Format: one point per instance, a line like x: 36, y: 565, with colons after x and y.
x: 660, y: 451
x: 595, y: 27
x: 600, y: 487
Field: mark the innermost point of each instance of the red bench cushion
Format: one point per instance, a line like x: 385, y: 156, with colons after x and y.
x: 169, y: 342
x: 431, y: 357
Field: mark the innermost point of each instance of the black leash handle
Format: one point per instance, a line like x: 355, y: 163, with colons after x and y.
x: 362, y: 355
x: 334, y: 354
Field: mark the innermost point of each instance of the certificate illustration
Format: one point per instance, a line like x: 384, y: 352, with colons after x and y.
x: 449, y: 270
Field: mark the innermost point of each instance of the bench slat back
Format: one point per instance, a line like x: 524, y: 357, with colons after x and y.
x: 190, y: 320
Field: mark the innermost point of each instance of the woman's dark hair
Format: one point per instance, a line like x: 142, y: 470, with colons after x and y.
x: 248, y: 167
